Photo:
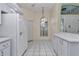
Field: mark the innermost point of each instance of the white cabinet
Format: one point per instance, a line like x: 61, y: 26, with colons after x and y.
x: 5, y: 49
x: 64, y: 48
x: 0, y: 53
x: 13, y: 26
x: 70, y: 23
x: 9, y: 8
x: 0, y: 16
x: 4, y: 7
x: 55, y: 47
x: 66, y: 44
x: 61, y: 46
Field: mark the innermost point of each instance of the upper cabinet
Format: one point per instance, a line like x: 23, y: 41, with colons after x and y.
x: 14, y: 7
x: 9, y: 8
x: 69, y: 9
x: 70, y: 18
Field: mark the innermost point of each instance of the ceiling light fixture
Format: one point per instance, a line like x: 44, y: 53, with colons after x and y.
x: 43, y: 18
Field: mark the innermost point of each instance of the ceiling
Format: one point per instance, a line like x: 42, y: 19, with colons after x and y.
x: 37, y: 7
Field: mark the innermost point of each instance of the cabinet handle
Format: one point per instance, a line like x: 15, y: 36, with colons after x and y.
x: 20, y: 33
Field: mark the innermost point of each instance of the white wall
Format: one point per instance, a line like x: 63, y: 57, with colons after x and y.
x: 53, y: 17
x: 35, y: 18
x: 30, y: 30
x: 29, y: 17
x: 28, y: 14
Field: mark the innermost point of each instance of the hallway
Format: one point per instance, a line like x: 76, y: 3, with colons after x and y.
x: 40, y: 48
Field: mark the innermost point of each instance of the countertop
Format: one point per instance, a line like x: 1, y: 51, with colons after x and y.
x: 2, y: 39
x: 68, y: 36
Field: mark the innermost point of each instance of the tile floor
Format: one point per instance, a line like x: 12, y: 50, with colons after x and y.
x: 40, y: 48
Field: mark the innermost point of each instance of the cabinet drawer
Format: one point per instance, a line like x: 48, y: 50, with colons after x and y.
x: 4, y: 45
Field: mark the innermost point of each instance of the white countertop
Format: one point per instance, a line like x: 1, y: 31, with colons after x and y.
x: 2, y: 39
x: 68, y: 36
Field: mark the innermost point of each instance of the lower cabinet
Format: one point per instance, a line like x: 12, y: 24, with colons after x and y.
x: 64, y: 48
x: 55, y: 43
x: 0, y: 53
x: 60, y: 47
x: 66, y: 44
x: 5, y: 49
x: 6, y: 52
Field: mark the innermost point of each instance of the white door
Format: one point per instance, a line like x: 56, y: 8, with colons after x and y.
x: 25, y: 34
x: 21, y: 39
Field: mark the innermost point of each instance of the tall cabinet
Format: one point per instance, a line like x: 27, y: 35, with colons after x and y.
x: 14, y: 26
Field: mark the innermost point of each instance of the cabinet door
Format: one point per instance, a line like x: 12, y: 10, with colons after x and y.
x: 56, y: 45
x: 0, y: 16
x: 0, y: 53
x: 64, y: 48
x: 6, y: 52
x: 59, y: 47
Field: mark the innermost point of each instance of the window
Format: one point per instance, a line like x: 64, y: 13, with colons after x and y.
x: 43, y: 27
